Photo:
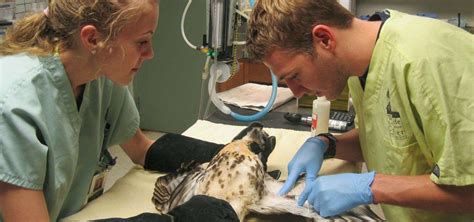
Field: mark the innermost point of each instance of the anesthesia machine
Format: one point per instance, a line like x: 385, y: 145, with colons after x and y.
x: 222, y: 46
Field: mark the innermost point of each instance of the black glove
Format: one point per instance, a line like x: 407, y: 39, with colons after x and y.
x: 170, y: 151
x: 204, y: 208
x: 199, y: 208
x: 144, y: 217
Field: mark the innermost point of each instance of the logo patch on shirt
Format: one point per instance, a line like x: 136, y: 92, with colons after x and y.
x: 394, y: 121
x: 436, y: 170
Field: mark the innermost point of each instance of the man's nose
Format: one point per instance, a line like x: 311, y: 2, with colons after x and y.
x: 297, y: 89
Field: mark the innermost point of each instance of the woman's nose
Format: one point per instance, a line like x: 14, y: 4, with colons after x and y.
x: 148, y: 53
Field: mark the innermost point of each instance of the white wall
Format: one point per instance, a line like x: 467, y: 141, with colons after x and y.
x: 25, y: 6
x: 444, y: 8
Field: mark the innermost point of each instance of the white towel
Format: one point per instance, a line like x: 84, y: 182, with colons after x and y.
x: 254, y: 96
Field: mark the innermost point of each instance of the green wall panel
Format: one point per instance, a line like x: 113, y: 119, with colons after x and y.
x: 167, y: 88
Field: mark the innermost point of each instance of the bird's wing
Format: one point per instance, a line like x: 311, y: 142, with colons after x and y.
x: 271, y: 203
x: 174, y: 189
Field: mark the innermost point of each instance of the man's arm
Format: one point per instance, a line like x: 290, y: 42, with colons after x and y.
x: 20, y: 204
x: 420, y: 192
x: 137, y: 147
x: 348, y: 146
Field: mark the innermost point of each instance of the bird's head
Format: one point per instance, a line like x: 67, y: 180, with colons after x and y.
x: 260, y: 142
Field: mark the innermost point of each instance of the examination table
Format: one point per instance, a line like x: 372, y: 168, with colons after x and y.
x: 131, y: 194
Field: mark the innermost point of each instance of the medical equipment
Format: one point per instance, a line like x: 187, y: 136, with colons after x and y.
x: 320, y: 116
x: 338, y: 120
x: 225, y: 18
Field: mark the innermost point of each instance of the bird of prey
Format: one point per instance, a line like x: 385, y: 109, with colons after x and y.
x: 237, y: 174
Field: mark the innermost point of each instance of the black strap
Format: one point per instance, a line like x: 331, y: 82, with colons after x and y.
x: 331, y: 150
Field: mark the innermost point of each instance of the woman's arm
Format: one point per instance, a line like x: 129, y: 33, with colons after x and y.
x: 20, y: 204
x: 137, y: 147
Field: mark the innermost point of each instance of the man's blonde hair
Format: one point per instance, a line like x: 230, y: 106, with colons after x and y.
x: 287, y: 24
x: 40, y: 33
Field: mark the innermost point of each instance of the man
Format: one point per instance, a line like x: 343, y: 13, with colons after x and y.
x: 411, y: 82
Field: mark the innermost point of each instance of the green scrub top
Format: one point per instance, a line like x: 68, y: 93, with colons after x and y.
x: 416, y: 116
x: 46, y: 143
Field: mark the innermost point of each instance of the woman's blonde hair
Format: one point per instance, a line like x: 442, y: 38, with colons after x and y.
x: 40, y: 33
x: 287, y: 24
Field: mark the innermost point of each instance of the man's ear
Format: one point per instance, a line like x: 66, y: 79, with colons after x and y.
x: 90, y: 38
x: 324, y: 37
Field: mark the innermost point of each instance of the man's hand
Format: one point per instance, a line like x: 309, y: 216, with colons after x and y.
x: 335, y: 194
x: 307, y: 160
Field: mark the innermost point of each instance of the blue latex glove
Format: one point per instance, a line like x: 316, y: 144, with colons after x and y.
x: 335, y: 194
x: 252, y: 3
x: 307, y: 160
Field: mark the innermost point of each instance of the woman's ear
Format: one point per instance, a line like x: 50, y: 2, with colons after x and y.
x: 324, y: 37
x: 90, y: 38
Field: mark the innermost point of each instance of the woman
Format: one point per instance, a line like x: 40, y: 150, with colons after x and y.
x: 63, y: 101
